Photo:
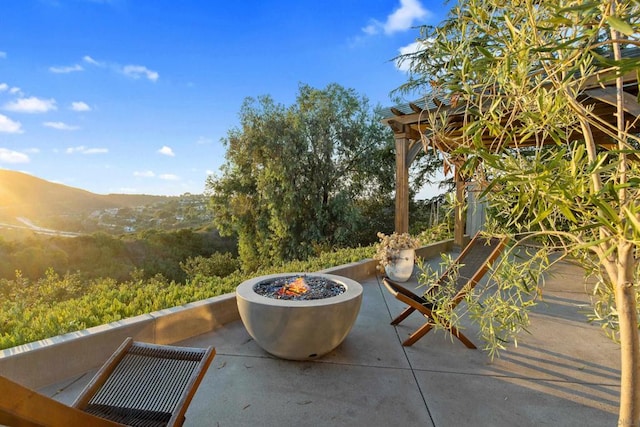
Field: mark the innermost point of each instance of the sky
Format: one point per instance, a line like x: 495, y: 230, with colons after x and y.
x: 135, y: 96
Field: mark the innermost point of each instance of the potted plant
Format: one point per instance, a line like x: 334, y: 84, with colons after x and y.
x: 396, y: 255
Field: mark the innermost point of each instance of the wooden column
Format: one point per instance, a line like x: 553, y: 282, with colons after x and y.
x: 402, y: 184
x: 460, y: 221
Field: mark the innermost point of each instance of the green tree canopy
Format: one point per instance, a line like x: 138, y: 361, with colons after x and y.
x: 294, y: 176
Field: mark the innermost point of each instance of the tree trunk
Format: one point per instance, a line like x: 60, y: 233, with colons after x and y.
x: 625, y: 292
x: 629, y: 414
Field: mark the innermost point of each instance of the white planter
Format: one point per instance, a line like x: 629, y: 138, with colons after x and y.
x: 401, y: 268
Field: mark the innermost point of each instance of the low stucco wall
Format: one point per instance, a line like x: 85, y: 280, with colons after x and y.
x: 435, y: 249
x: 49, y: 361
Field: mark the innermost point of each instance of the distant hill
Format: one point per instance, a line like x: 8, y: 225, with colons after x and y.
x: 26, y: 196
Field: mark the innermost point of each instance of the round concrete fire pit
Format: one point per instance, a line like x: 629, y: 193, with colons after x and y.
x: 299, y: 329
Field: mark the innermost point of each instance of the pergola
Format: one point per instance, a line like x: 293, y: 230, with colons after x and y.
x: 411, y: 128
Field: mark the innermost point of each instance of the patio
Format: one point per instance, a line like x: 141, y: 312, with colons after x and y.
x: 566, y: 372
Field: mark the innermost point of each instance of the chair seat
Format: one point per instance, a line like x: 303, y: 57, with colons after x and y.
x: 145, y: 384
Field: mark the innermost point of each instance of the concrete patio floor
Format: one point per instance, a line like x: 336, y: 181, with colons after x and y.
x: 565, y: 373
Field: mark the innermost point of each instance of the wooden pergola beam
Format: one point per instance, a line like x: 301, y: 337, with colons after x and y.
x: 409, y: 128
x: 608, y: 96
x: 415, y: 108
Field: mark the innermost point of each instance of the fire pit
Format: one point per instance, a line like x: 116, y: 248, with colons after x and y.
x: 299, y: 316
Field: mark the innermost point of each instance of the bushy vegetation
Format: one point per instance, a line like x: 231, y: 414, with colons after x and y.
x: 101, y: 255
x: 52, y: 285
x: 55, y: 304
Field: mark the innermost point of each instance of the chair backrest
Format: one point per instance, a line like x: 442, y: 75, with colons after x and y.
x: 472, y: 263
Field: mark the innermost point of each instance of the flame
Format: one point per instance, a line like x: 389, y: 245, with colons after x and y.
x: 296, y: 288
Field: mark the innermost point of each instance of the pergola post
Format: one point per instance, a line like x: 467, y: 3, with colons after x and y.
x: 402, y: 184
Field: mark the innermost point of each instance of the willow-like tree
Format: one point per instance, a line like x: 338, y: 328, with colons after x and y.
x: 516, y: 71
x: 294, y: 176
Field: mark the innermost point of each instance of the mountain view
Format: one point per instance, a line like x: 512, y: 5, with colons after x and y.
x: 28, y: 203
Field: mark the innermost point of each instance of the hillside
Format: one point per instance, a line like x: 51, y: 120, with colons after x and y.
x: 45, y: 203
x: 24, y: 195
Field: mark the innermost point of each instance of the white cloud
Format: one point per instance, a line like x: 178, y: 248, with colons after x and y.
x: 9, y: 126
x: 372, y: 28
x: 131, y: 71
x: 13, y: 91
x: 32, y: 150
x: 406, y: 16
x: 80, y: 106
x: 167, y: 151
x: 137, y: 71
x: 169, y: 177
x: 66, y: 69
x: 90, y: 60
x: 84, y: 150
x: 204, y: 141
x: 403, y: 18
x: 60, y: 126
x: 144, y: 174
x: 31, y: 105
x: 403, y: 64
x: 10, y: 156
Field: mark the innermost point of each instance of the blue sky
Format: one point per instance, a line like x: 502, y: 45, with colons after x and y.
x: 134, y: 96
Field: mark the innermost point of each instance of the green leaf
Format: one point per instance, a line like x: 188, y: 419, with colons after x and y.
x: 567, y: 213
x: 580, y: 7
x: 620, y: 25
x: 632, y: 217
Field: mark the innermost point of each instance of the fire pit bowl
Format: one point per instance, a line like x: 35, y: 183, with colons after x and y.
x: 298, y: 329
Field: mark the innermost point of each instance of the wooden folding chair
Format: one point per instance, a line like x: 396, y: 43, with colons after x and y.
x: 468, y: 267
x: 140, y: 385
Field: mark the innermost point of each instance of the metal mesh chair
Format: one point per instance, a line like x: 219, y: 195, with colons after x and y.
x: 140, y: 385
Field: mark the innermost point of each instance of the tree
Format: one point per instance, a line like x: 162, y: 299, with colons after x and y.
x: 516, y: 71
x: 293, y: 175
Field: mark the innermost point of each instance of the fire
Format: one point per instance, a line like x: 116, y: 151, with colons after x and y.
x: 296, y: 288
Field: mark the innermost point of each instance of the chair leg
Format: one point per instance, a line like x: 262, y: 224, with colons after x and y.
x: 456, y: 333
x: 422, y: 331
x: 407, y: 311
